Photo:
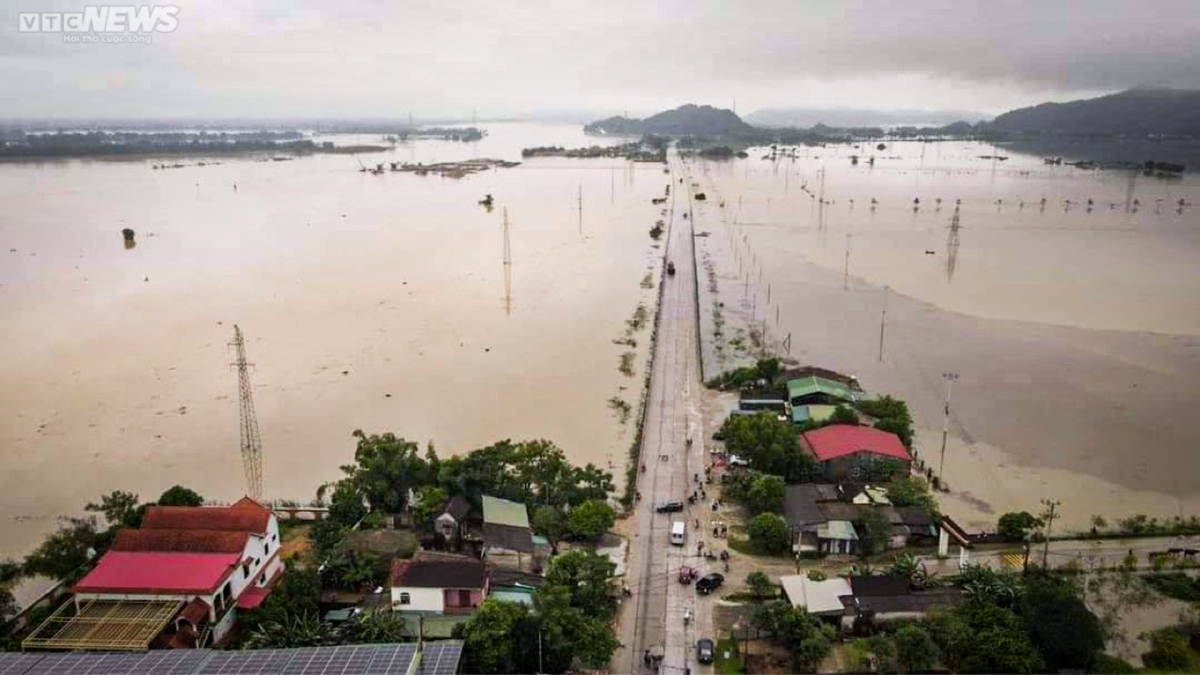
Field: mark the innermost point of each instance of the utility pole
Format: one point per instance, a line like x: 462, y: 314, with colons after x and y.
x: 846, y: 273
x: 882, y: 323
x: 1051, y: 505
x: 251, y: 441
x: 949, y: 378
x: 507, y: 267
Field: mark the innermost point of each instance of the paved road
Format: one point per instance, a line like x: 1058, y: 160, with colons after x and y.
x: 655, y: 616
x: 1098, y: 552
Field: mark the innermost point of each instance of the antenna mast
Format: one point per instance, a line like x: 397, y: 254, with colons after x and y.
x: 251, y: 442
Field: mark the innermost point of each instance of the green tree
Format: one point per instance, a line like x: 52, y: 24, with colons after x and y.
x: 569, y: 633
x: 326, y: 535
x: 911, y: 491
x: 177, y: 495
x: 885, y: 653
x: 429, y: 503
x: 769, y: 445
x: 760, y: 586
x: 345, y: 503
x: 63, y: 553
x: 916, y: 651
x: 491, y: 639
x: 385, y: 468
x: 843, y: 415
x: 119, y: 509
x: 591, y: 519
x: 876, y: 526
x: 892, y: 416
x: 381, y: 626
x: 301, y: 630
x: 1014, y: 526
x: 795, y: 630
x: 769, y: 533
x: 1064, y: 630
x: 588, y: 580
x: 531, y: 472
x: 766, y: 493
x: 906, y: 565
x: 1168, y: 651
x: 8, y: 604
x: 550, y: 523
x: 981, y: 637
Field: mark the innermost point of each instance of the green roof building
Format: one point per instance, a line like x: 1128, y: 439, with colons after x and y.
x: 820, y: 391
x: 503, y: 512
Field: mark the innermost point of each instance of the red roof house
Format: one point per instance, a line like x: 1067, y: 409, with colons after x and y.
x: 848, y: 451
x: 153, y: 573
x: 245, y: 515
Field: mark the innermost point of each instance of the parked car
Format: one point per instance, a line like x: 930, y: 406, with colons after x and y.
x: 673, y: 506
x: 704, y: 650
x: 709, y: 583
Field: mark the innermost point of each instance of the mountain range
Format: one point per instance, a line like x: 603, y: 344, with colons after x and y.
x: 1135, y: 113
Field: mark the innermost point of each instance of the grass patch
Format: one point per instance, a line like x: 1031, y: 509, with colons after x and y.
x: 1176, y: 585
x: 731, y: 665
x: 626, y: 342
x: 648, y: 281
x: 626, y: 366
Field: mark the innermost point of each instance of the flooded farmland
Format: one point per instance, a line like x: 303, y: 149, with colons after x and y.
x: 372, y: 302
x: 380, y: 303
x: 1073, y: 330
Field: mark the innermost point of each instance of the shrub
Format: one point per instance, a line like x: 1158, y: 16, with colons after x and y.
x: 769, y: 533
x: 1168, y: 651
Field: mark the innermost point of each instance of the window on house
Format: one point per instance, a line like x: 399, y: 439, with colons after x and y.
x: 464, y: 598
x: 405, y: 599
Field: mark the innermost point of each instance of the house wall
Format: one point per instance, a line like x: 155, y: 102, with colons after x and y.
x: 221, y: 630
x: 264, y: 549
x: 451, y: 598
x: 860, y: 466
x: 446, y: 525
x: 421, y: 599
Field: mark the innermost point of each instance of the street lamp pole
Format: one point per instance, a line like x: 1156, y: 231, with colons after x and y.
x: 949, y: 378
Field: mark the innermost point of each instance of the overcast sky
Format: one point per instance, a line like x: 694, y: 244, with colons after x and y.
x: 368, y: 58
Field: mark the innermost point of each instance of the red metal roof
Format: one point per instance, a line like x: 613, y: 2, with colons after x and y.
x: 158, y: 573
x: 838, y: 440
x: 246, y: 515
x: 252, y: 597
x: 180, y: 541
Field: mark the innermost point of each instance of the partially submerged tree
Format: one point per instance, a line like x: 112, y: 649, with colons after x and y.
x: 63, y: 553
x: 177, y: 495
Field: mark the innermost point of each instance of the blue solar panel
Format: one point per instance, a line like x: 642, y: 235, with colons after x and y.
x: 440, y: 658
x: 18, y: 663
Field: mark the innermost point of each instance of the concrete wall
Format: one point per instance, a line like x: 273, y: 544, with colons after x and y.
x: 420, y: 599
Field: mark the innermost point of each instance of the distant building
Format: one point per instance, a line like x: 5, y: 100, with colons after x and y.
x: 176, y: 582
x: 873, y: 600
x: 438, y: 583
x: 507, y: 537
x: 850, y: 452
x: 449, y: 523
x: 814, y: 413
x: 825, y: 517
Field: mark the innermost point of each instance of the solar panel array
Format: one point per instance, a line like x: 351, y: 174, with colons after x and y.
x: 348, y: 660
x: 438, y: 658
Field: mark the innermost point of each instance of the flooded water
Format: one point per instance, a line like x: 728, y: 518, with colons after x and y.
x: 380, y: 303
x: 1073, y: 332
x: 372, y: 302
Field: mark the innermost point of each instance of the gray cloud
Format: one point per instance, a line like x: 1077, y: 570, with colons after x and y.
x: 378, y: 59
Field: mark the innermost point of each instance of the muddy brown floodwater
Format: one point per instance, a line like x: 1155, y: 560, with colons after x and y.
x: 1075, y: 333
x: 372, y: 302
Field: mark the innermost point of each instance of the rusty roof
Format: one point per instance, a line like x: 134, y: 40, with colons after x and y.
x: 246, y: 515
x: 181, y: 541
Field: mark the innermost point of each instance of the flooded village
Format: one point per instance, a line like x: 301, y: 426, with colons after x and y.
x: 940, y: 338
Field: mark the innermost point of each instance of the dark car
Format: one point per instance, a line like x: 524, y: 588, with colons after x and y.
x: 704, y: 650
x: 709, y: 583
x: 670, y: 507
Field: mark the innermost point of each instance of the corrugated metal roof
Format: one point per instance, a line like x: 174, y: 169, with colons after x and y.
x: 838, y: 440
x: 807, y: 386
x: 818, y: 597
x: 837, y: 529
x: 158, y: 573
x: 504, y: 512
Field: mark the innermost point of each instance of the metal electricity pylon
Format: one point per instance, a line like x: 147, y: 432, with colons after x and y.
x: 251, y: 441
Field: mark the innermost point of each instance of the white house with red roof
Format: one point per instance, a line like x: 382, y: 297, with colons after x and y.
x: 852, y: 452
x: 215, y: 559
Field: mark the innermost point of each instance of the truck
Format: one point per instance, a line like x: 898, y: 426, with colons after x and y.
x: 678, y: 533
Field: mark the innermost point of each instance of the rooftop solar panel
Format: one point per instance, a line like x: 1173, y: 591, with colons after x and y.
x: 440, y: 658
x: 18, y: 663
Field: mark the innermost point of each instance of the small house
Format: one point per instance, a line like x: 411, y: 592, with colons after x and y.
x: 851, y: 452
x: 438, y: 583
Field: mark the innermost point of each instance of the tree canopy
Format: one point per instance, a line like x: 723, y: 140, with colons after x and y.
x: 769, y: 445
x: 759, y: 492
x: 1015, y: 526
x: 797, y: 631
x: 63, y: 553
x: 591, y: 519
x: 1064, y: 630
x: 177, y: 495
x: 769, y: 533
